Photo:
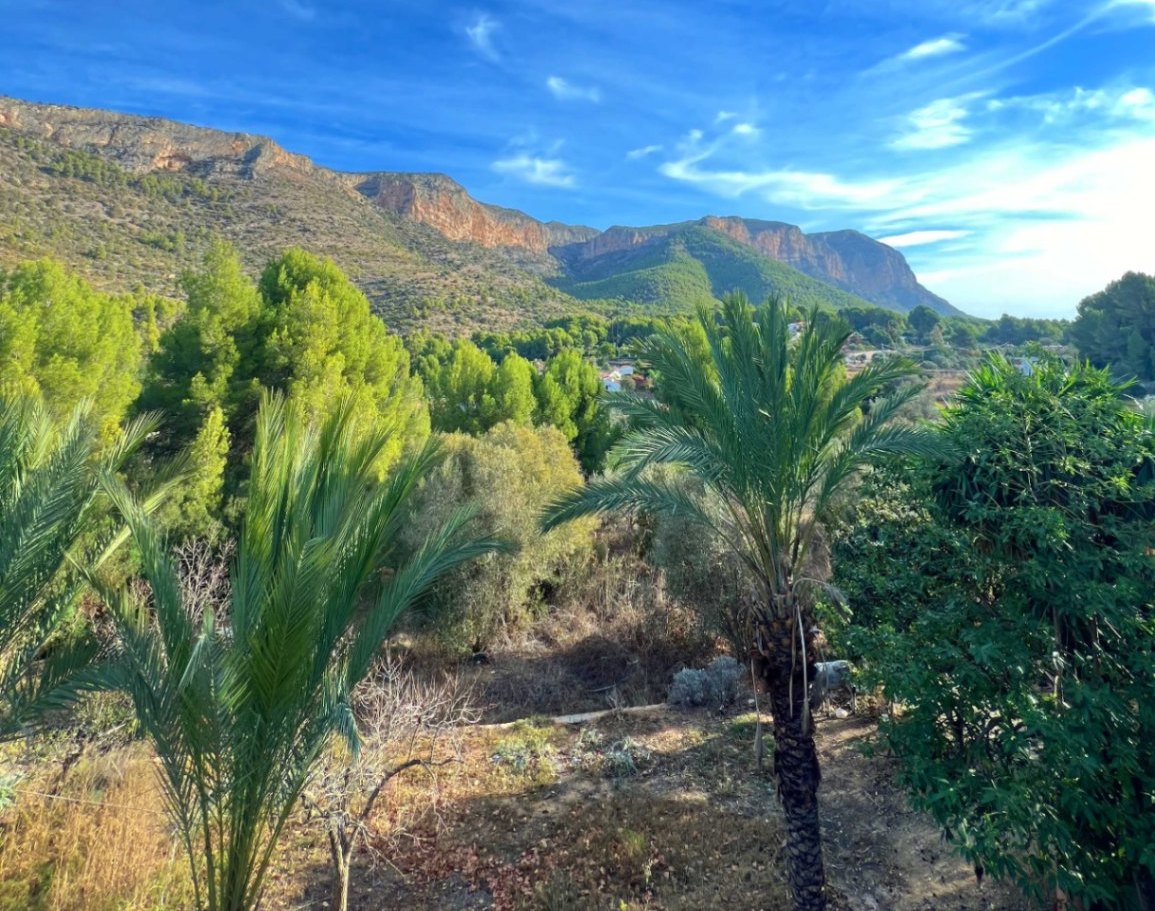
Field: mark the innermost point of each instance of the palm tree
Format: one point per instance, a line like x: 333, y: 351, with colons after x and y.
x: 772, y: 428
x: 50, y: 509
x: 240, y: 702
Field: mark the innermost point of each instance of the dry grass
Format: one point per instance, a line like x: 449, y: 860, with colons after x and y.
x: 535, y: 817
x: 97, y: 840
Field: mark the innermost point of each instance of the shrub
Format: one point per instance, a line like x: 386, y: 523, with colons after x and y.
x: 715, y: 686
x: 506, y: 475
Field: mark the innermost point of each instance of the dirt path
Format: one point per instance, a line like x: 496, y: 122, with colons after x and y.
x: 881, y: 854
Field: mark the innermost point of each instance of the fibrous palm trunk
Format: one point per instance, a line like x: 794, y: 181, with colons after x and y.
x: 795, y: 760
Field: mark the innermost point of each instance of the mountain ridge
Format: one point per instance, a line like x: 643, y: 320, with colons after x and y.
x: 511, y: 250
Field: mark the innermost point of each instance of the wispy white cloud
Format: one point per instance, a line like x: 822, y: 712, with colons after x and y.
x: 564, y: 90
x: 937, y: 125
x: 1147, y: 6
x: 1029, y: 220
x: 299, y: 10
x: 547, y: 172
x: 1116, y: 103
x: 480, y: 34
x: 935, y: 47
x: 921, y: 238
x: 782, y: 186
x: 643, y: 152
x: 723, y: 116
x: 745, y: 129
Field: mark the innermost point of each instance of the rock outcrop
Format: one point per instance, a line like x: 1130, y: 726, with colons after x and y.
x: 143, y: 144
x: 444, y: 205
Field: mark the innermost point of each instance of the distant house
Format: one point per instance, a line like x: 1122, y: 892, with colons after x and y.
x: 1025, y: 365
x: 611, y: 385
x: 797, y: 327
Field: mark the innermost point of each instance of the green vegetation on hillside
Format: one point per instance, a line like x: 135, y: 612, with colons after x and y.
x: 678, y: 271
x: 123, y: 230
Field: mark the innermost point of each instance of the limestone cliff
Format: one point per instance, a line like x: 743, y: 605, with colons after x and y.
x: 143, y: 144
x: 443, y: 204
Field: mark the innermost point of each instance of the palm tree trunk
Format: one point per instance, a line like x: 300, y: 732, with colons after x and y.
x: 795, y: 766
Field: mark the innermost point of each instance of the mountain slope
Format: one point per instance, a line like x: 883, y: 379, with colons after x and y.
x: 865, y: 269
x: 674, y: 271
x: 133, y: 200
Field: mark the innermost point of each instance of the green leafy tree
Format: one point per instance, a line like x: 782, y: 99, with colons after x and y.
x: 569, y: 397
x: 198, y: 366
x: 1115, y: 327
x: 325, y: 345
x: 50, y: 510
x: 774, y: 431
x: 506, y: 476
x: 1025, y: 663
x: 513, y: 391
x: 240, y: 701
x: 923, y: 321
x: 306, y: 332
x: 68, y: 342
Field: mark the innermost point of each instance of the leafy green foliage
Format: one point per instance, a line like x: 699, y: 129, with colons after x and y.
x: 62, y: 339
x: 1019, y: 330
x: 467, y: 391
x: 240, y: 698
x: 1024, y: 661
x: 569, y: 396
x: 49, y: 517
x: 772, y: 429
x: 1116, y: 327
x: 923, y: 321
x: 307, y: 332
x: 506, y: 475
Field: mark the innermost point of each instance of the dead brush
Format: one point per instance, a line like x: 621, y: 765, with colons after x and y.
x: 405, y: 722
x: 96, y: 838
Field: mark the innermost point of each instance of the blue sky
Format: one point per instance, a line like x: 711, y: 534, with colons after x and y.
x: 1006, y: 146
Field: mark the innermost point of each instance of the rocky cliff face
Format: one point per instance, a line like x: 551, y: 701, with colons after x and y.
x: 443, y: 204
x: 143, y: 144
x: 846, y: 259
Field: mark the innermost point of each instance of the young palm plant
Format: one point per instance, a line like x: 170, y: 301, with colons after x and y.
x: 774, y: 430
x: 50, y: 509
x: 240, y: 706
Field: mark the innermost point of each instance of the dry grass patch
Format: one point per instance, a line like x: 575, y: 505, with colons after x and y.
x: 94, y: 840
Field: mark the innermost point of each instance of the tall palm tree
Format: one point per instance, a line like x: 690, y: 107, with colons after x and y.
x: 50, y: 508
x: 772, y: 428
x: 240, y: 702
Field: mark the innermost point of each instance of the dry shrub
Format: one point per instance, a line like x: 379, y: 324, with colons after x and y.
x: 99, y: 842
x: 613, y: 636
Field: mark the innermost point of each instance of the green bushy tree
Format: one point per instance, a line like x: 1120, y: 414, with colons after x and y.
x: 506, y: 475
x: 1116, y: 327
x: 304, y: 331
x: 1020, y: 640
x: 68, y: 342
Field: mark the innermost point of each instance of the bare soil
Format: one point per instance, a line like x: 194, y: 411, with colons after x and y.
x: 656, y: 811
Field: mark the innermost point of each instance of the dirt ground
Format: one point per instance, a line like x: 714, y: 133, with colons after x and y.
x: 663, y: 810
